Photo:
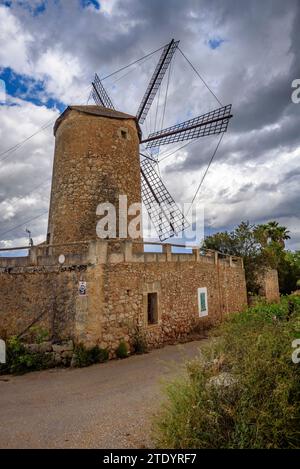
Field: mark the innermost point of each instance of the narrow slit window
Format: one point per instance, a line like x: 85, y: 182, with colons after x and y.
x: 152, y: 308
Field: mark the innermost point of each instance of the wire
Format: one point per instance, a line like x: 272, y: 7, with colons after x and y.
x: 121, y: 77
x: 202, y: 79
x: 29, y: 192
x: 142, y: 62
x: 132, y: 63
x: 18, y: 145
x: 24, y: 223
x: 47, y: 124
x: 205, y: 172
x: 89, y: 97
x: 15, y: 147
x: 166, y: 95
x: 177, y: 149
x: 157, y: 105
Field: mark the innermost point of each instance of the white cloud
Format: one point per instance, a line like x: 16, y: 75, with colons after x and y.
x: 253, y: 68
x: 15, y: 42
x: 26, y: 173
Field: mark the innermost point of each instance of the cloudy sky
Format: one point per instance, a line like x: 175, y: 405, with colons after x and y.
x: 248, y: 53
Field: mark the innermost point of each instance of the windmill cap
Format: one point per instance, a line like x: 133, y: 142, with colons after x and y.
x: 95, y: 110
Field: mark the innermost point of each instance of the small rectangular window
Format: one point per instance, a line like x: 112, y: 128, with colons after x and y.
x: 202, y: 302
x: 152, y: 308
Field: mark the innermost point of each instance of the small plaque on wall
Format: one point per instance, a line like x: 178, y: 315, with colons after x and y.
x: 82, y: 289
x: 202, y: 302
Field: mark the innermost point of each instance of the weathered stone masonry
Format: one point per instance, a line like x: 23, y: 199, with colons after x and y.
x: 96, y: 159
x: 163, y: 295
x: 269, y: 285
x: 117, y: 289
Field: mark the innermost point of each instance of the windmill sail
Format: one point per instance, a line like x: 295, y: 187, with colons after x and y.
x: 156, y: 80
x: 100, y: 95
x: 165, y: 215
x: 211, y: 123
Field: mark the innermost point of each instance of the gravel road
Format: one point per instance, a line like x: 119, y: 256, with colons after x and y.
x: 104, y: 406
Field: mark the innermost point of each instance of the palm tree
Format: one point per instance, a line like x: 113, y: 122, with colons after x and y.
x: 278, y: 234
x: 271, y: 232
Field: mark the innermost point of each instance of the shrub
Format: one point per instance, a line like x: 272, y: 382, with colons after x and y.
x: 88, y: 356
x: 20, y: 360
x: 38, y: 334
x: 261, y: 406
x: 139, y: 342
x: 122, y: 350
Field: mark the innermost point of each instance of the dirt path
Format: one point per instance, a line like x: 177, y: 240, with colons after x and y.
x: 103, y: 406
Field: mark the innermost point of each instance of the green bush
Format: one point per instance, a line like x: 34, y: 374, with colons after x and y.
x: 139, y: 342
x: 20, y: 360
x: 260, y: 407
x: 122, y: 350
x: 38, y: 334
x: 88, y: 356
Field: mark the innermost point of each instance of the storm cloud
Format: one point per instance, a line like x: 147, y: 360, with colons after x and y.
x: 248, y: 53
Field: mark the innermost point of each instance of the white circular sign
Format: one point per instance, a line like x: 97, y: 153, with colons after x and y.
x: 61, y: 259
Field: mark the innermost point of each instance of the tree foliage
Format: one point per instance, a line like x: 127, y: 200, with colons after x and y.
x: 261, y: 246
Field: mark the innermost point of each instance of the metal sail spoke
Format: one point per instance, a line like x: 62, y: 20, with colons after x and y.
x: 156, y: 80
x: 100, y: 95
x: 165, y: 215
x: 211, y: 123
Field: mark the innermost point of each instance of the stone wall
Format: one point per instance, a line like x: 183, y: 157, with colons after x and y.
x: 116, y: 298
x: 176, y: 280
x: 28, y: 293
x: 269, y: 285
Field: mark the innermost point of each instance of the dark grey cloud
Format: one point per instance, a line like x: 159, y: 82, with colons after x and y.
x: 253, y: 68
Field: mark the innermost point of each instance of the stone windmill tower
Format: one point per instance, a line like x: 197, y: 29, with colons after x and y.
x: 97, y: 159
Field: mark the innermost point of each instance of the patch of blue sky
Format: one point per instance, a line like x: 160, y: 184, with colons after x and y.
x: 215, y: 42
x: 93, y: 3
x: 17, y: 253
x: 7, y: 3
x: 35, y: 8
x: 28, y: 89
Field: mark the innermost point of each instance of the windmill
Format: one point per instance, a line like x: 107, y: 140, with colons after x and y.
x: 164, y: 213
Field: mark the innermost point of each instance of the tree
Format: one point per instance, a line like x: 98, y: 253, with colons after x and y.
x: 289, y: 272
x: 261, y: 246
x: 240, y: 242
x: 271, y: 232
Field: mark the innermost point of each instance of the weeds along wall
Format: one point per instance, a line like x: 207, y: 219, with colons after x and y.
x: 114, y: 302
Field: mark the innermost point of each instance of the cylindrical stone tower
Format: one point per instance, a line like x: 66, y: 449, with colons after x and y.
x: 96, y: 160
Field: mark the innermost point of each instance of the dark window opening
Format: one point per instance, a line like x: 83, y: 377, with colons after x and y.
x: 123, y: 134
x: 152, y: 308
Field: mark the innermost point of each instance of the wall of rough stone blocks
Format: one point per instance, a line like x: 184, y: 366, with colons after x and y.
x: 269, y: 285
x: 127, y: 284
x: 116, y: 299
x: 30, y: 292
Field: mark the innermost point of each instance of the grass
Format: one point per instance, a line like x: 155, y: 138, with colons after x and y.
x: 258, y: 404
